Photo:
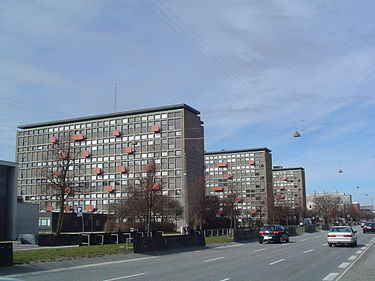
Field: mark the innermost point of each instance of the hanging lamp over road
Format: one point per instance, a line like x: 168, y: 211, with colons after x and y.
x: 296, y: 134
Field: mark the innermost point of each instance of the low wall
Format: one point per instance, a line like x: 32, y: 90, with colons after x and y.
x: 6, y: 253
x: 59, y: 240
x: 158, y: 243
x: 245, y: 234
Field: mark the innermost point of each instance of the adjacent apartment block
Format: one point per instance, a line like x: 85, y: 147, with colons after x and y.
x: 289, y: 188
x: 247, y: 172
x: 113, y: 149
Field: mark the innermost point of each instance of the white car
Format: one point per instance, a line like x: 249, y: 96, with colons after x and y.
x: 342, y: 235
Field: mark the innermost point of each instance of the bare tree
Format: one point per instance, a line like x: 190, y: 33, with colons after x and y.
x: 327, y: 207
x: 61, y: 179
x: 231, y: 201
x: 197, y: 203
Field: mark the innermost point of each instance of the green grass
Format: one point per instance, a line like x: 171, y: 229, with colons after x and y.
x: 219, y: 239
x: 28, y: 256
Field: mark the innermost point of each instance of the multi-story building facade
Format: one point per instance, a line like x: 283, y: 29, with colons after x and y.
x: 113, y: 151
x: 247, y: 173
x: 289, y: 188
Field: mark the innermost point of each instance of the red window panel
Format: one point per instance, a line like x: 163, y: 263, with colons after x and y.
x: 108, y: 188
x: 52, y: 140
x: 128, y: 150
x: 89, y: 208
x: 239, y: 200
x: 229, y: 176
x: 218, y: 188
x: 116, y: 133
x: 222, y: 164
x: 85, y: 153
x: 68, y: 190
x: 50, y: 208
x: 284, y: 178
x: 253, y: 212
x: 78, y: 137
x: 97, y: 171
x: 282, y: 196
x: 67, y: 208
x: 56, y: 173
x: 282, y: 187
x: 251, y: 162
x: 155, y: 128
x: 156, y: 186
x: 121, y: 169
x: 148, y: 167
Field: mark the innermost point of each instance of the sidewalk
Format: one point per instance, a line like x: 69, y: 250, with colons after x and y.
x: 363, y: 268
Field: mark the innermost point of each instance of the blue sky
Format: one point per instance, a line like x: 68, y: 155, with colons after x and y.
x: 256, y: 70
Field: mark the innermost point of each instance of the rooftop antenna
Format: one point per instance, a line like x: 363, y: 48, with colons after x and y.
x: 115, y: 98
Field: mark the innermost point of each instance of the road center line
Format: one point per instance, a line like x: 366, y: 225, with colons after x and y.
x: 226, y: 279
x: 272, y: 263
x: 330, y: 276
x: 125, y: 277
x: 325, y: 244
x: 303, y: 239
x: 352, y: 258
x: 259, y: 250
x: 308, y: 251
x: 358, y: 252
x: 219, y: 258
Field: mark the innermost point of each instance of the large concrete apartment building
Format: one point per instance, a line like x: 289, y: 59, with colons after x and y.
x: 249, y: 173
x: 113, y: 148
x: 289, y: 187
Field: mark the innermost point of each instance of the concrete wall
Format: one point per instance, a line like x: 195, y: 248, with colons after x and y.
x: 27, y: 219
x: 8, y: 200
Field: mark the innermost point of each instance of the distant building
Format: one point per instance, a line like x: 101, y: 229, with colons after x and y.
x: 113, y: 150
x: 8, y: 200
x: 289, y: 187
x: 249, y: 172
x: 345, y: 199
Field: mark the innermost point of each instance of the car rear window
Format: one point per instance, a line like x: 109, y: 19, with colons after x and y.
x: 272, y: 227
x: 341, y: 229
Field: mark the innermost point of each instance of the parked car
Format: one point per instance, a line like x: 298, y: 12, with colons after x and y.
x: 273, y: 233
x: 344, y: 235
x: 368, y: 227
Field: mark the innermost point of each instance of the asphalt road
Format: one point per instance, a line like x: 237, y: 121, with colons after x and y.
x: 306, y: 257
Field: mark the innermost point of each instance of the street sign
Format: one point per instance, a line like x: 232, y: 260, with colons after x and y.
x: 79, y: 212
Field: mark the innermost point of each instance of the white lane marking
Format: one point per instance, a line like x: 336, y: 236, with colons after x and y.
x: 358, y: 252
x: 271, y: 263
x: 82, y: 266
x: 259, y: 250
x: 308, y: 251
x: 344, y: 265
x: 226, y: 279
x: 352, y: 258
x: 367, y: 244
x: 330, y: 276
x: 325, y: 244
x: 363, y: 248
x: 125, y: 277
x: 229, y: 246
x: 197, y: 251
x: 342, y: 274
x: 303, y: 239
x: 219, y: 258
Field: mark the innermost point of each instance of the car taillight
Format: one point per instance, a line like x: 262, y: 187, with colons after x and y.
x: 331, y: 235
x: 275, y: 232
x: 349, y: 235
x: 261, y: 232
x: 373, y: 227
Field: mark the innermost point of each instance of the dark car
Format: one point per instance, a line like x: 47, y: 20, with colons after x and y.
x: 368, y: 227
x: 273, y: 233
